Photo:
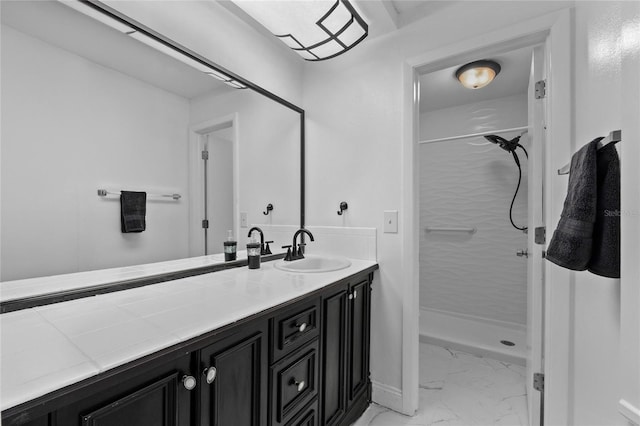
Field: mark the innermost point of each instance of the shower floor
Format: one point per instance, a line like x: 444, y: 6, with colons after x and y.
x: 474, y: 335
x: 457, y: 388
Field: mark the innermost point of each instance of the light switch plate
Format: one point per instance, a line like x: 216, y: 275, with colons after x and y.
x: 243, y: 220
x: 391, y: 221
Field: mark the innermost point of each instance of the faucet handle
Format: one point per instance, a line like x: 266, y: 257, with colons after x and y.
x: 288, y: 257
x: 266, y: 248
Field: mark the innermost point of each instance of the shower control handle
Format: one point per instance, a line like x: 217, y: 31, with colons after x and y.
x: 522, y: 253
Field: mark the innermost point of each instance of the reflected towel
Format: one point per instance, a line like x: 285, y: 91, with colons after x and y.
x: 133, y: 208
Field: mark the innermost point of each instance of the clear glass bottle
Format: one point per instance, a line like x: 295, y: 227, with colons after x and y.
x: 253, y: 253
x: 230, y: 247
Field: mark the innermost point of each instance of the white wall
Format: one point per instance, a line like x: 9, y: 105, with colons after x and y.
x: 600, y: 106
x: 69, y: 128
x: 630, y: 153
x: 354, y: 150
x: 465, y: 185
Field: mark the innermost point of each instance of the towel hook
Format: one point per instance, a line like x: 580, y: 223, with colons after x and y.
x: 343, y: 207
x: 269, y: 208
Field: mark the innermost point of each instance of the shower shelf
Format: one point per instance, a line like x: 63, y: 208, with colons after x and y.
x: 472, y: 230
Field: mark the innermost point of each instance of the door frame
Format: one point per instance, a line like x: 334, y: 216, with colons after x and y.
x: 196, y: 170
x: 555, y: 30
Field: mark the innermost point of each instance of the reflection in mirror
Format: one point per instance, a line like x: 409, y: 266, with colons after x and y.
x: 86, y: 106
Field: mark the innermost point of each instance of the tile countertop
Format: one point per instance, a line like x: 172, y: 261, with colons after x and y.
x: 85, y: 337
x: 29, y: 287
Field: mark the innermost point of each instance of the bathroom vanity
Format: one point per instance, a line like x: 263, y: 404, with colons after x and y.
x: 267, y: 347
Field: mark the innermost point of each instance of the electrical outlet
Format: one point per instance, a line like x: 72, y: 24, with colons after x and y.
x: 243, y: 220
x: 391, y: 221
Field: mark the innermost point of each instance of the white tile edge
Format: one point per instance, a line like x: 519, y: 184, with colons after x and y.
x: 629, y: 411
x: 387, y: 396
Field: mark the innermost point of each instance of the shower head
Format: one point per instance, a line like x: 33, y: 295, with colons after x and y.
x: 508, y: 146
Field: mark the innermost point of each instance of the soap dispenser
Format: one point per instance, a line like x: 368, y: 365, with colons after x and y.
x: 230, y: 247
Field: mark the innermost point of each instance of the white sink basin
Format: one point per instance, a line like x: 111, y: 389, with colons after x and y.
x: 314, y: 264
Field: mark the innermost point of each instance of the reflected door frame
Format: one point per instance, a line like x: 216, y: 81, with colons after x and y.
x: 197, y: 133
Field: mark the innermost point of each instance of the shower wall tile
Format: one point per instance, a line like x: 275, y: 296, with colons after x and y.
x: 463, y: 184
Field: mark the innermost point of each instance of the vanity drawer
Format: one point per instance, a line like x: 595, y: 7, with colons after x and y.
x: 294, y: 328
x: 294, y: 384
x: 308, y: 416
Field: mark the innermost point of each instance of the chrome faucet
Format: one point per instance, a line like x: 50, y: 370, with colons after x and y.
x: 296, y: 251
x: 263, y: 250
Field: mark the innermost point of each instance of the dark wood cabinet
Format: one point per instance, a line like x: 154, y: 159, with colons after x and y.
x: 345, y: 353
x: 140, y: 397
x: 235, y: 393
x: 305, y: 363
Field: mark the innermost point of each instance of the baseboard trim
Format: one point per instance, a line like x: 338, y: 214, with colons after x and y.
x: 629, y: 411
x: 387, y: 396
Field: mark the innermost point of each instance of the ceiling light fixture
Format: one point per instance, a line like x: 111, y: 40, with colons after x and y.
x: 315, y: 29
x: 477, y: 74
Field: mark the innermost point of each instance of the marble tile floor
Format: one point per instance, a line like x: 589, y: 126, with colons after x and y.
x: 457, y: 388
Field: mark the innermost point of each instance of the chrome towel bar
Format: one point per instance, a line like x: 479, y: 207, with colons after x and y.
x: 104, y: 193
x: 614, y: 137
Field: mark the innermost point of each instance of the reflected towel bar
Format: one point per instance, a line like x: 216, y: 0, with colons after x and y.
x: 451, y: 229
x: 614, y: 137
x: 104, y: 193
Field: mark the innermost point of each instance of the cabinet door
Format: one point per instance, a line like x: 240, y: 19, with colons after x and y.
x: 156, y: 397
x: 358, y: 338
x: 334, y: 345
x: 238, y: 393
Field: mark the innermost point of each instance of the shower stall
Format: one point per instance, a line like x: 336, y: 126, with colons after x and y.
x: 473, y: 217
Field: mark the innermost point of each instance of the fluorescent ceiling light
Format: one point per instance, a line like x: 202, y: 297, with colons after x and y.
x: 85, y: 9
x: 316, y: 29
x: 104, y: 18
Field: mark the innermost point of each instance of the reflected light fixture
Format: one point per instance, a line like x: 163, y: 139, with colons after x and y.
x: 477, y: 74
x: 315, y: 29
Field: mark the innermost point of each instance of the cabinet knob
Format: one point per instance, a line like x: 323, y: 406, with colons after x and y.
x: 210, y: 374
x: 302, y: 327
x: 350, y: 296
x: 299, y: 385
x: 355, y: 294
x: 189, y: 382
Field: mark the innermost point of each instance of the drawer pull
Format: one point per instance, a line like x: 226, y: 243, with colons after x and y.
x: 210, y: 374
x: 355, y: 294
x: 189, y: 382
x: 301, y: 327
x: 299, y: 385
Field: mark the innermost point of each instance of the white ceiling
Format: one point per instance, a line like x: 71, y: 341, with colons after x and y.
x: 440, y: 89
x: 101, y: 44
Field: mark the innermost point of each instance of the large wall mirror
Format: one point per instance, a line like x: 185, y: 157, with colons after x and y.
x: 102, y: 102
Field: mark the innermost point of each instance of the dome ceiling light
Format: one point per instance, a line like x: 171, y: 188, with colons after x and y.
x: 477, y: 74
x: 315, y: 29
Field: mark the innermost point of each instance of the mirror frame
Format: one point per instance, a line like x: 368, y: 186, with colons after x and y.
x: 62, y: 296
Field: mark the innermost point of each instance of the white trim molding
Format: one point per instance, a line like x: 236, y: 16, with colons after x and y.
x: 387, y: 396
x: 629, y: 411
x: 554, y: 29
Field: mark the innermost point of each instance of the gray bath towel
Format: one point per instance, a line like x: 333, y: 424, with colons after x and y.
x: 572, y: 241
x: 605, y: 258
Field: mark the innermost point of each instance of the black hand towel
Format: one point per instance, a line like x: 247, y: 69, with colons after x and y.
x: 133, y: 208
x: 571, y: 244
x: 605, y: 257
